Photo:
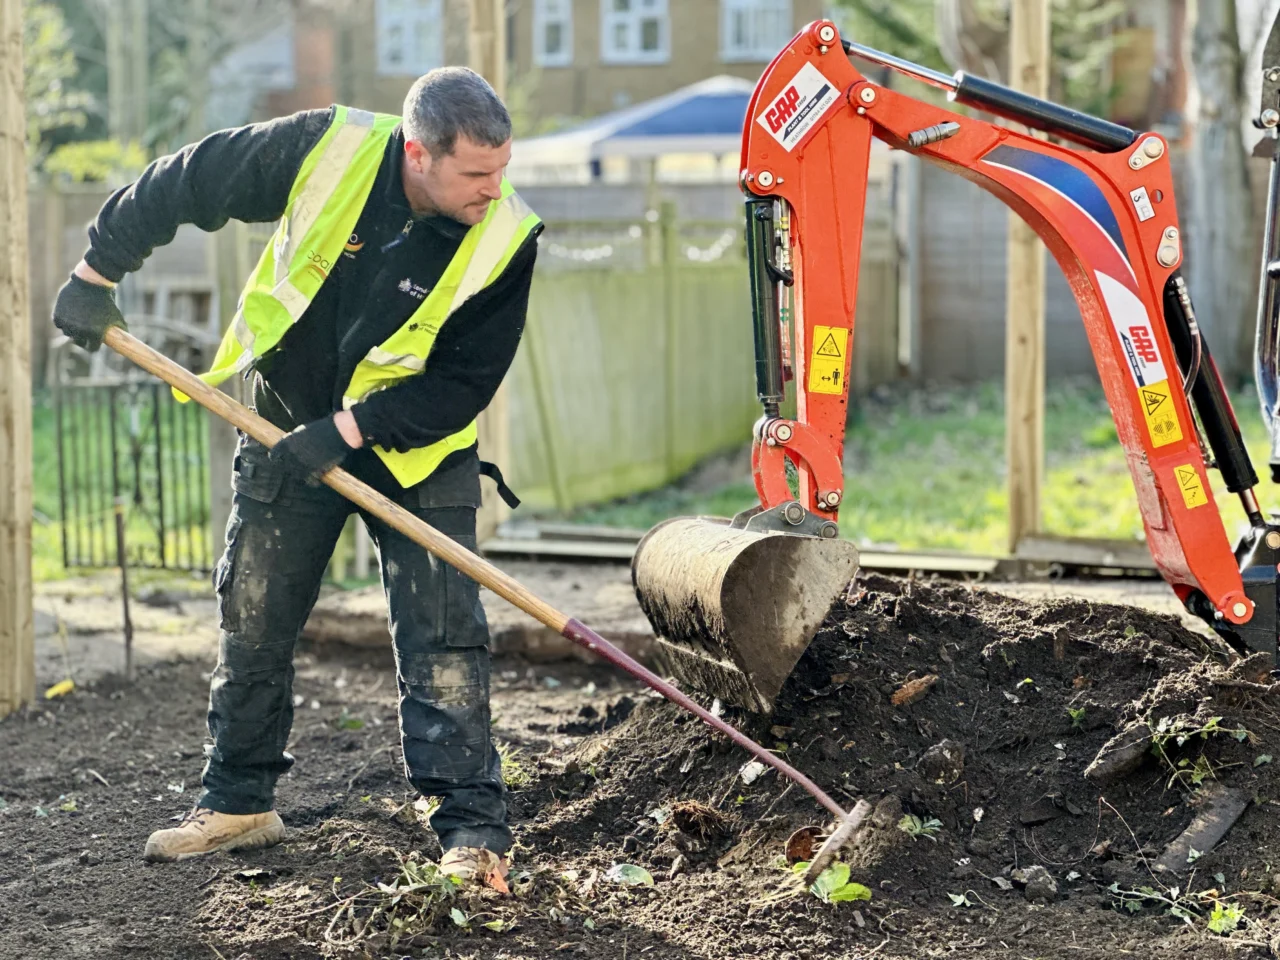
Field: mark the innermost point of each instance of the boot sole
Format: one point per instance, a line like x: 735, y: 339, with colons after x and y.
x: 267, y: 836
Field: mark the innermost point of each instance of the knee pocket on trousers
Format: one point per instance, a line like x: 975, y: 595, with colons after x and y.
x: 445, y: 697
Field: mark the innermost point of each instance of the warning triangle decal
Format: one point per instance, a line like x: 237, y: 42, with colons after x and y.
x: 828, y: 348
x: 1187, y: 477
x: 1152, y: 400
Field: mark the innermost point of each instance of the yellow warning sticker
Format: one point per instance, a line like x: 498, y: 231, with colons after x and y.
x: 827, y: 363
x: 1162, y: 418
x: 1192, y: 488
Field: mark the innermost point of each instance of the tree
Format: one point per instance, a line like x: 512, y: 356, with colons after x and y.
x: 52, y: 103
x: 973, y: 35
x: 1221, y: 258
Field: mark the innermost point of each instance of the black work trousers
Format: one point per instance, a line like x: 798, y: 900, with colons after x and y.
x: 279, y: 540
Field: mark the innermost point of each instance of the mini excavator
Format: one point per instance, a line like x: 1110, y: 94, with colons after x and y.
x: 735, y: 603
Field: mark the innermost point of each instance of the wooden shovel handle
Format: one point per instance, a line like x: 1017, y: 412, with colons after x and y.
x: 447, y: 550
x: 357, y: 492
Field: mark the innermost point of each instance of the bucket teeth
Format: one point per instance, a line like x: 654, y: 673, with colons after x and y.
x: 734, y: 610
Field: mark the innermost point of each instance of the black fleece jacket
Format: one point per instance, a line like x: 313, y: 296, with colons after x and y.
x: 390, y: 264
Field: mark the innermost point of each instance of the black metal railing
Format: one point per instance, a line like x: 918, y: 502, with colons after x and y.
x: 132, y: 444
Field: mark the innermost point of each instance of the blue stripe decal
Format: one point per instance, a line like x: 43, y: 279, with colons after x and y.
x: 1067, y: 180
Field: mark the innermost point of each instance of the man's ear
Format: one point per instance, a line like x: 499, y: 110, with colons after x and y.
x: 416, y: 154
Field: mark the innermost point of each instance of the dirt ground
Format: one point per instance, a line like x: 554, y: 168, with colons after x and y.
x: 988, y: 757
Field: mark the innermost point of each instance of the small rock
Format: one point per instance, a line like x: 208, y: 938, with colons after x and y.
x: 1042, y: 811
x: 1038, y: 883
x: 1275, y: 884
x: 677, y: 867
x: 943, y: 762
x: 1121, y: 755
x: 87, y: 859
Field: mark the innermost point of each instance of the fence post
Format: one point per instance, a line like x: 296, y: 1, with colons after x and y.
x: 670, y: 238
x: 487, y: 52
x: 231, y: 271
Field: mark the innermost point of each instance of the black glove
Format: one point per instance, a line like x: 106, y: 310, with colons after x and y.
x: 84, y: 311
x: 311, y: 450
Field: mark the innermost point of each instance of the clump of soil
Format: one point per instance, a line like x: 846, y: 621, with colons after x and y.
x: 967, y: 718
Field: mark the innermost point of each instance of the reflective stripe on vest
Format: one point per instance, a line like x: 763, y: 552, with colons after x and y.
x: 324, y: 205
x: 485, y: 252
x: 292, y: 267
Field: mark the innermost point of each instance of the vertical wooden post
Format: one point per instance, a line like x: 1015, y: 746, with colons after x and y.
x: 117, y: 71
x: 1024, y: 304
x: 139, y: 70
x: 17, y: 641
x: 487, y: 49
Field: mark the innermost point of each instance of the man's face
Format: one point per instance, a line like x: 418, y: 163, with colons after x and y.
x: 460, y: 184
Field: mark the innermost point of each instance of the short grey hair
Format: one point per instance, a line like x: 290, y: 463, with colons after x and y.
x: 454, y: 100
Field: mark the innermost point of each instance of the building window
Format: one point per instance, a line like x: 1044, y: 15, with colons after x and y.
x: 634, y: 31
x: 410, y: 36
x: 754, y: 30
x: 553, y: 33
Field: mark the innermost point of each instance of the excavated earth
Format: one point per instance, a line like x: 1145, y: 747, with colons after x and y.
x: 972, y: 712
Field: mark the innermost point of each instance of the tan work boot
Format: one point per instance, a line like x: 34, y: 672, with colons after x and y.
x: 207, y: 831
x: 476, y: 863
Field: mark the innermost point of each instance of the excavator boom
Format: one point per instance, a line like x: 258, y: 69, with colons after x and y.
x: 1104, y: 206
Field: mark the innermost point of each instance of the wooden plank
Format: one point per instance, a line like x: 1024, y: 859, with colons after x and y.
x: 1084, y: 552
x: 17, y: 637
x: 1024, y: 304
x: 622, y: 551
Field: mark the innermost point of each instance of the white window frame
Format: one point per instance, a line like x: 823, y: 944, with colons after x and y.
x: 610, y: 19
x: 543, y: 18
x: 406, y: 22
x: 760, y: 46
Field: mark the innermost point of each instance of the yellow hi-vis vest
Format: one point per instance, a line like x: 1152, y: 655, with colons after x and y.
x: 324, y: 204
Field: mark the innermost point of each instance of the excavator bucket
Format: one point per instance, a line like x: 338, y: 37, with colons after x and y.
x: 734, y: 609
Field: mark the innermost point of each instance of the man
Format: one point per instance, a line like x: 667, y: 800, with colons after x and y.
x: 377, y: 325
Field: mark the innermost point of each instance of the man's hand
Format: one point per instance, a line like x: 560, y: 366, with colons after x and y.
x: 84, y: 309
x: 312, y: 450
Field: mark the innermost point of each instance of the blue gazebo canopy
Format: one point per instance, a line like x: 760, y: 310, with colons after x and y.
x: 704, y: 117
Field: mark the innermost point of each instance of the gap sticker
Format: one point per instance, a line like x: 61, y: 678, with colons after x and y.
x: 1162, y: 419
x: 1192, y: 488
x: 826, y: 364
x: 1133, y: 327
x: 798, y: 108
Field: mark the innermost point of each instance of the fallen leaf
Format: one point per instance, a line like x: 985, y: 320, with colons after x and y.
x: 913, y: 690
x: 629, y: 875
x: 60, y: 689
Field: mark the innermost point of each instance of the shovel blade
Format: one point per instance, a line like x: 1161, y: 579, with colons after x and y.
x: 734, y: 610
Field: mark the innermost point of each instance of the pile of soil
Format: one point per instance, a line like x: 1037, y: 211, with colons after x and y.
x: 977, y: 774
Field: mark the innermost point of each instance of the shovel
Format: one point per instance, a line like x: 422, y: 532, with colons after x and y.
x: 485, y: 574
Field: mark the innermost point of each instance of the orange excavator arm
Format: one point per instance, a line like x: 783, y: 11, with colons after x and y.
x: 1105, y: 209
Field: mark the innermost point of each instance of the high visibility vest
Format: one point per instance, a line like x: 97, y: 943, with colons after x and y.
x: 324, y: 205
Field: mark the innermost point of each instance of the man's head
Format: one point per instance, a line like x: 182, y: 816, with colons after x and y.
x: 457, y: 144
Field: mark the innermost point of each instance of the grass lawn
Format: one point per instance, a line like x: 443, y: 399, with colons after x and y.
x: 926, y: 468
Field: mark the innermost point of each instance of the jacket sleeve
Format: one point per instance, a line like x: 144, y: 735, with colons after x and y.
x: 471, y: 356
x: 244, y: 174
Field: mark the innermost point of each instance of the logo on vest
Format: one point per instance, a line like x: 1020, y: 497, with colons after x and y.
x: 414, y: 290
x: 318, y: 265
